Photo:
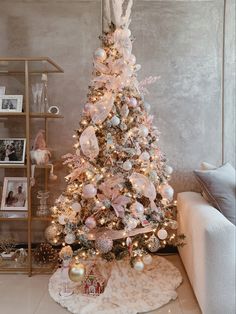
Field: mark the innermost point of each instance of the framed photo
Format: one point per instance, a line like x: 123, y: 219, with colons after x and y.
x: 11, y: 103
x: 14, y: 194
x: 12, y: 150
x: 2, y: 90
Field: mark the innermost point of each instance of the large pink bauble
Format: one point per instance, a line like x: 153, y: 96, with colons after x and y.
x: 90, y: 222
x: 89, y: 191
x: 133, y: 102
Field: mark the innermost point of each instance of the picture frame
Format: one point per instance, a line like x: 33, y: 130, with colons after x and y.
x: 14, y: 195
x: 11, y: 103
x: 12, y: 150
x: 2, y: 90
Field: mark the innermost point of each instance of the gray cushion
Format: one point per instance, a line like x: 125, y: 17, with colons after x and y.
x: 219, y: 186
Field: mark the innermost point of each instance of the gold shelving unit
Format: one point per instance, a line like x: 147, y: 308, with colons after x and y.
x: 27, y: 67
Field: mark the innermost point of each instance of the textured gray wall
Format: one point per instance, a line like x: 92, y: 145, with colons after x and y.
x: 182, y: 41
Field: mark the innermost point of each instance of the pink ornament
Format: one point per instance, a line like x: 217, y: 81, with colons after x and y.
x: 133, y: 102
x: 89, y: 191
x: 90, y: 222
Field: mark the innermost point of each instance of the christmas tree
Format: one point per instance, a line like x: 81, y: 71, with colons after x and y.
x: 118, y: 202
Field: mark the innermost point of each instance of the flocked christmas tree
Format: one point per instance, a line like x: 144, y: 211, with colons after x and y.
x: 118, y: 202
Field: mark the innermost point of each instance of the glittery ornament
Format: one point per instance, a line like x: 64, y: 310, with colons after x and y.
x: 137, y: 208
x: 153, y: 176
x: 153, y: 243
x: 115, y: 121
x: 76, y: 271
x: 89, y: 191
x: 104, y: 244
x: 100, y: 54
x: 127, y: 165
x: 162, y: 234
x: 76, y: 207
x: 166, y: 191
x: 133, y: 102
x: 62, y: 219
x: 144, y: 156
x: 70, y: 238
x: 147, y: 259
x: 138, y: 264
x: 173, y: 224
x: 168, y: 169
x: 51, y: 232
x: 90, y: 222
x: 143, y: 131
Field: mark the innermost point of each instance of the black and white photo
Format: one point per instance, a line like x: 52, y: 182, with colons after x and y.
x: 12, y: 150
x: 11, y: 103
x: 14, y: 196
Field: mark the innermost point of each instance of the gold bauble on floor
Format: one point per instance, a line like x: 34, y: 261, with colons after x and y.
x: 76, y: 271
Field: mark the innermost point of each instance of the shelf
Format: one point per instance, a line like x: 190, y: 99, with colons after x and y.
x: 13, y: 166
x: 37, y: 218
x: 37, y: 65
x: 37, y: 115
x: 13, y: 219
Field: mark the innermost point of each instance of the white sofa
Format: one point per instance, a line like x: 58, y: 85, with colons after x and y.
x: 209, y: 253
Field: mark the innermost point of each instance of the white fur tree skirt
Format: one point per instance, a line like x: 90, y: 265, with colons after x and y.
x: 127, y: 291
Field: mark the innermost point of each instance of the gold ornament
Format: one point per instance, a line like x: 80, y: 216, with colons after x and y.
x: 76, y: 271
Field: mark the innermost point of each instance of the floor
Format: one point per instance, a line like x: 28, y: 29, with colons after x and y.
x: 22, y: 295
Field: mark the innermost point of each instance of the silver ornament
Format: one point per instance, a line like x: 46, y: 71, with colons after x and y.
x: 127, y: 165
x: 153, y: 244
x: 70, y: 238
x: 51, y: 232
x: 104, y: 244
x: 143, y: 131
x: 138, y: 264
x: 115, y: 121
x: 162, y: 234
x: 100, y: 54
x: 76, y: 207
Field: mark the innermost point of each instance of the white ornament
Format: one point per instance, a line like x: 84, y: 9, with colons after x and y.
x: 144, y: 156
x: 115, y: 121
x: 162, y: 234
x: 104, y: 244
x: 153, y: 176
x: 143, y: 185
x: 137, y: 67
x: 137, y: 208
x: 61, y: 219
x: 76, y: 207
x: 127, y: 165
x: 133, y: 102
x: 89, y: 191
x: 168, y: 169
x: 89, y: 143
x: 90, y: 222
x: 70, y: 238
x: 131, y: 223
x: 173, y: 224
x: 153, y: 243
x: 143, y: 131
x: 132, y: 59
x: 147, y: 106
x: 100, y: 54
x: 138, y: 265
x: 147, y: 259
x: 166, y: 191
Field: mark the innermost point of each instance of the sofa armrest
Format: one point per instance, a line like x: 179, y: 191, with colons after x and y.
x: 209, y: 255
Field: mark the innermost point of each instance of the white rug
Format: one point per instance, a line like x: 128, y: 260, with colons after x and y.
x: 127, y: 290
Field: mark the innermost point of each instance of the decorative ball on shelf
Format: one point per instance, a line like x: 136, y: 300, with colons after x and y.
x: 137, y: 208
x: 133, y: 102
x: 132, y: 59
x: 51, y: 232
x: 76, y: 207
x: 168, y: 169
x: 147, y: 259
x: 162, y: 234
x: 76, y: 271
x: 138, y: 264
x: 104, y: 244
x: 90, y: 222
x: 45, y: 254
x: 70, y: 238
x: 143, y: 131
x: 166, y: 191
x: 89, y: 191
x: 127, y: 165
x: 153, y: 244
x: 115, y: 121
x: 147, y: 106
x: 144, y: 156
x: 100, y: 54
